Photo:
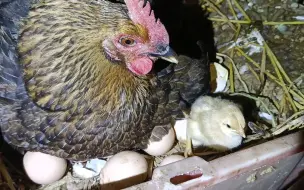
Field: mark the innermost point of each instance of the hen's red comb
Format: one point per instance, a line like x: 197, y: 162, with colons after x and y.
x: 145, y: 17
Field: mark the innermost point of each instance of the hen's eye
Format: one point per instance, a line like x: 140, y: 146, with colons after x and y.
x: 127, y: 41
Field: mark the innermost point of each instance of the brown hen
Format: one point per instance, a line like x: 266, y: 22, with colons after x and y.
x: 85, y: 86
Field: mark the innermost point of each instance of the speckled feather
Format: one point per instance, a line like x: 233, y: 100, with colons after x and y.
x: 79, y: 105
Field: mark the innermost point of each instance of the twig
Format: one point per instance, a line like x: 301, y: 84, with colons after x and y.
x: 288, y: 123
x: 290, y: 118
x: 218, y: 2
x: 293, y: 92
x: 282, y: 105
x: 277, y: 70
x: 238, y: 25
x: 300, y: 106
x: 242, y: 10
x: 282, y: 70
x: 300, y: 122
x: 214, y: 7
x: 231, y: 77
x: 250, y: 138
x: 263, y: 66
x: 62, y: 182
x: 285, y: 22
x: 256, y: 137
x: 294, y: 84
x: 232, y: 21
x: 6, y: 175
x: 263, y: 104
x: 249, y: 22
x: 232, y: 65
x: 252, y: 71
x: 231, y: 70
x: 279, y: 66
x: 237, y: 72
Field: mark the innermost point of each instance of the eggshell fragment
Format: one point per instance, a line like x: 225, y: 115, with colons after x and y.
x: 219, y: 77
x: 91, y: 169
x: 171, y: 159
x: 43, y: 168
x: 124, y: 169
x: 180, y: 128
x: 161, y: 147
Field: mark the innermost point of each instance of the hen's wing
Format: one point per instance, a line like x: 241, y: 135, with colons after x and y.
x: 11, y: 12
x: 193, y: 77
x: 184, y: 83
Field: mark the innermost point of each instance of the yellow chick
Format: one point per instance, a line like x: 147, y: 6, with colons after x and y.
x: 214, y: 123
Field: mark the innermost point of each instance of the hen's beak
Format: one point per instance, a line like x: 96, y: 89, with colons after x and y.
x: 170, y: 56
x: 165, y: 53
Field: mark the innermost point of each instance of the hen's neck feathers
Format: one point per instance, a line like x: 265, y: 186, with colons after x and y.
x: 64, y: 63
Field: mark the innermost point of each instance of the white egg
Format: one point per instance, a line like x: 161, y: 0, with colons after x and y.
x: 170, y: 159
x: 124, y: 169
x: 159, y: 174
x: 163, y: 146
x: 43, y: 168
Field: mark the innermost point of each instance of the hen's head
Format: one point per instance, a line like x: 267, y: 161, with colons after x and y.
x: 87, y: 52
x: 139, y: 42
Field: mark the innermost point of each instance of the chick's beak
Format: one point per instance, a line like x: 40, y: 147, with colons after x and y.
x: 165, y: 53
x: 242, y: 133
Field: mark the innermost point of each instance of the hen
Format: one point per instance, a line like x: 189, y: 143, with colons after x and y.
x: 77, y: 77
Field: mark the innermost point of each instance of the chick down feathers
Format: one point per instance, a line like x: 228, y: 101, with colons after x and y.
x: 216, y: 123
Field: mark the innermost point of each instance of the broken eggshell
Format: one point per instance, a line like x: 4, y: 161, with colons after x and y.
x: 91, y: 169
x: 219, y: 77
x: 180, y: 128
x: 161, y: 147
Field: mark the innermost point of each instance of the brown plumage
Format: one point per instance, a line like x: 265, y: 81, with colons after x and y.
x: 79, y: 95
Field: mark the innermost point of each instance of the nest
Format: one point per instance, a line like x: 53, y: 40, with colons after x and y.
x: 256, y: 71
x: 259, y: 70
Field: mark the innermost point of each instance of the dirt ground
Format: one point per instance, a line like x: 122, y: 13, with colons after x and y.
x: 285, y: 40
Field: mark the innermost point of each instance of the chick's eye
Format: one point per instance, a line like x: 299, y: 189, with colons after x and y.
x: 127, y: 41
x: 228, y: 126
